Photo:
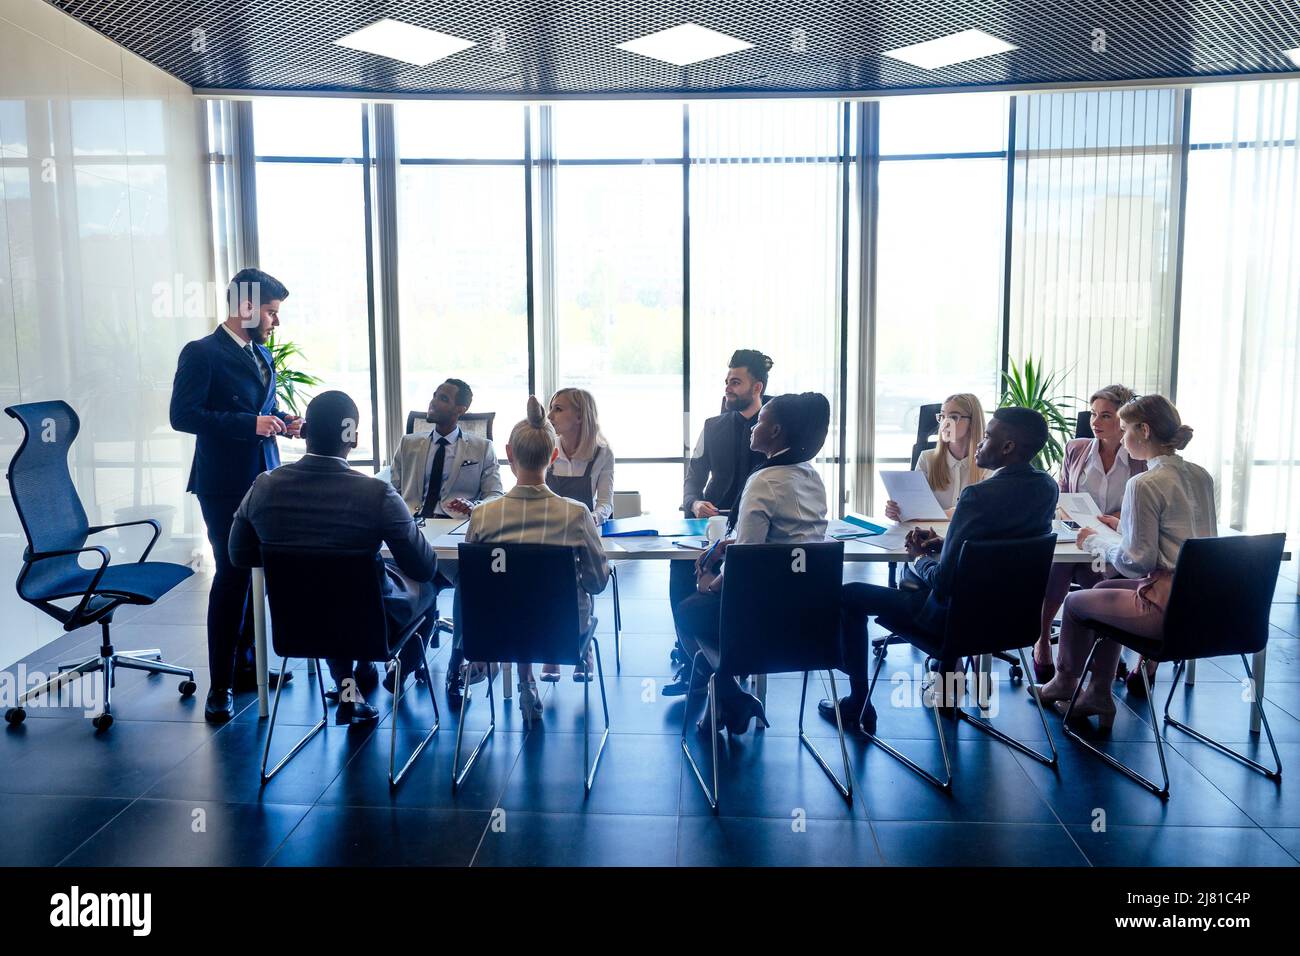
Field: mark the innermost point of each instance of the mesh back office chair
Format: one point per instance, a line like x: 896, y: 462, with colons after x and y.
x: 330, y: 604
x: 780, y: 614
x: 1218, y: 606
x: 476, y: 423
x: 519, y: 602
x: 56, y: 528
x: 995, y: 606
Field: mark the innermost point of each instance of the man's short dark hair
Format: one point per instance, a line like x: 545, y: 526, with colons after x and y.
x: 255, y: 286
x: 331, y: 423
x: 1027, y: 428
x: 752, y: 361
x: 464, y: 394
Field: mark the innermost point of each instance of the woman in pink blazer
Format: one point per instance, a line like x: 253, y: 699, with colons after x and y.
x: 1101, y: 467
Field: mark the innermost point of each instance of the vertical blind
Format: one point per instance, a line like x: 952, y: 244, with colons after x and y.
x: 1093, y: 226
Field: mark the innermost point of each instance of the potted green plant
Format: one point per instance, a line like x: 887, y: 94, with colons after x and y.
x: 289, y: 381
x: 1030, y: 386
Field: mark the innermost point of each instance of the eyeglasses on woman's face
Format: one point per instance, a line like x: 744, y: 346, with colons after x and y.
x: 953, y: 417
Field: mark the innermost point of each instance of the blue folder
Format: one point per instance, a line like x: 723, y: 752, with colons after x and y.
x: 648, y: 526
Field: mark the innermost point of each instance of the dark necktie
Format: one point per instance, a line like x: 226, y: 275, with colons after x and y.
x: 431, y: 497
x: 257, y: 362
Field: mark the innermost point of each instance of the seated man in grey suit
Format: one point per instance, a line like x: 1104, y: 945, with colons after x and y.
x: 445, y: 473
x: 320, y: 502
x: 465, y: 465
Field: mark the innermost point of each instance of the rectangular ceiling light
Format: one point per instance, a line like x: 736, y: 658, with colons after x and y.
x: 955, y: 48
x: 404, y: 41
x: 1293, y: 55
x: 686, y: 44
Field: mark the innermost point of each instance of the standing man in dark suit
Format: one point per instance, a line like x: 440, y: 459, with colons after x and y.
x: 717, y: 472
x: 320, y: 502
x: 1017, y: 502
x: 224, y: 393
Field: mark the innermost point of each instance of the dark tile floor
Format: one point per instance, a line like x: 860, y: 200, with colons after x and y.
x: 162, y: 787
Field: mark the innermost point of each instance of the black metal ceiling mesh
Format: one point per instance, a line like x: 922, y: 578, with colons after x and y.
x: 550, y: 48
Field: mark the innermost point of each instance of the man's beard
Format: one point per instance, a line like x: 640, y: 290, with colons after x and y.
x: 256, y: 335
x: 737, y: 402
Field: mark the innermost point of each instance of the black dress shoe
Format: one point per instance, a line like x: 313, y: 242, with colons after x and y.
x: 367, y: 675
x: 356, y: 712
x: 850, y: 712
x: 678, y: 687
x: 455, y: 689
x: 220, y: 706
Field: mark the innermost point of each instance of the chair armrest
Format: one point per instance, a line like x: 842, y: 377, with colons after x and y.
x: 152, y: 522
x: 31, y: 557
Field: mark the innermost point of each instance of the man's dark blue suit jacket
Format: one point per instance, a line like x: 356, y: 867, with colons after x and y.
x: 217, y: 395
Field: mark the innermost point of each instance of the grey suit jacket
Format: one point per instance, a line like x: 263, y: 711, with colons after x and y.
x: 474, y: 472
x: 322, y: 503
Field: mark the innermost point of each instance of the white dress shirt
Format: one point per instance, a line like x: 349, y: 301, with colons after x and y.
x: 958, y: 473
x: 602, y: 478
x: 1106, y: 487
x: 1171, y: 501
x: 782, y: 504
x: 448, y: 460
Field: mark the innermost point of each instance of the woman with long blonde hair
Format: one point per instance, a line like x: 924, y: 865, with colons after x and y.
x: 950, y: 466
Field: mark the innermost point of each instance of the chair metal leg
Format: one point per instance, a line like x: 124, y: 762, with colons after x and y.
x: 988, y: 728
x: 589, y: 768
x: 1276, y: 773
x: 393, y: 781
x: 946, y: 784
x: 65, y: 676
x: 151, y: 652
x: 131, y: 662
x: 458, y: 778
x: 712, y: 796
x: 845, y: 789
x: 270, y: 730
x: 1160, y: 791
x: 618, y: 622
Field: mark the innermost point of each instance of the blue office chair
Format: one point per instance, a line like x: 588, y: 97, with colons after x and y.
x: 780, y: 614
x: 1218, y: 606
x: 56, y: 527
x: 996, y: 606
x: 330, y: 604
x: 519, y: 602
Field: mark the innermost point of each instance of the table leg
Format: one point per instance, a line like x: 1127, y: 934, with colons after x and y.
x: 760, y: 688
x: 259, y: 640
x: 1258, y: 666
x: 1189, y: 678
x: 984, y: 684
x: 507, y: 686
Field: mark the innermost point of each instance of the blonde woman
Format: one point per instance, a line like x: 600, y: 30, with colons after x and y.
x: 583, y: 470
x: 531, y: 513
x: 950, y: 466
x: 1171, y: 501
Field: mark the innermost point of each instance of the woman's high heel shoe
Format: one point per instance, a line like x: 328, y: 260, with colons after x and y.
x: 1083, y: 710
x: 1134, y: 680
x: 530, y: 703
x: 1049, y: 698
x: 740, y: 713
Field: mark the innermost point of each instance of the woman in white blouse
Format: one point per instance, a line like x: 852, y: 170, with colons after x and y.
x: 1173, y: 500
x: 1100, y: 467
x: 783, y: 502
x: 583, y: 470
x: 950, y: 465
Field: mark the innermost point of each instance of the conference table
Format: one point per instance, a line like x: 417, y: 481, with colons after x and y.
x: 446, y: 534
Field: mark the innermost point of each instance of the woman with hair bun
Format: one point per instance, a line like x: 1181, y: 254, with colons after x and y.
x: 1171, y: 501
x: 531, y: 513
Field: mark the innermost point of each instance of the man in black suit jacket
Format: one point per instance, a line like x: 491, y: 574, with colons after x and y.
x: 1017, y: 502
x: 224, y: 393
x: 320, y: 502
x: 716, y: 473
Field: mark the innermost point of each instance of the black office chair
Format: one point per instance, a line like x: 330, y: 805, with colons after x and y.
x: 56, y: 528
x: 519, y: 602
x: 1218, y: 606
x: 476, y: 423
x: 1083, y: 425
x: 780, y: 614
x: 330, y: 604
x: 996, y: 605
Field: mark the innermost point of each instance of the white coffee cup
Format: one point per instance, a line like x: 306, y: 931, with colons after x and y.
x: 716, y: 528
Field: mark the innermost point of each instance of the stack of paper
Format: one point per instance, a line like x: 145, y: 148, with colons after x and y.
x: 911, y: 490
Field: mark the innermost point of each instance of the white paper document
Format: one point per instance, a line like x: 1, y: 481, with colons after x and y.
x: 1082, y: 510
x: 916, y: 502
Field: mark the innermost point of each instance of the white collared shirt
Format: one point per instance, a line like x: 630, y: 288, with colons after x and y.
x: 782, y: 504
x: 1171, y: 501
x: 1106, y: 488
x: 958, y: 473
x: 602, y: 478
x: 448, y: 460
x: 312, y: 454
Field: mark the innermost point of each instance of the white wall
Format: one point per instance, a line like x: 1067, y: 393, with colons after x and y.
x: 102, y: 196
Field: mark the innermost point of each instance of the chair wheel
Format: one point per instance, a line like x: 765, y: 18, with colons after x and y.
x: 187, y: 688
x: 102, y: 722
x: 15, y: 716
x: 1017, y: 673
